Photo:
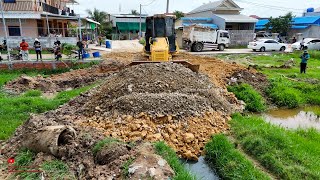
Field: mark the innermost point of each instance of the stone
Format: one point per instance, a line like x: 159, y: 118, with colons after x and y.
x: 188, y: 137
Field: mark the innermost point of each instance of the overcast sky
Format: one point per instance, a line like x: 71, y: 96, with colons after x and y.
x: 262, y: 8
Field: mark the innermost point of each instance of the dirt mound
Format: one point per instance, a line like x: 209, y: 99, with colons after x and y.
x: 168, y: 89
x: 61, y: 82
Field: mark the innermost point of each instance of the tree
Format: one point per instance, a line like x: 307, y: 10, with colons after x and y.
x: 178, y: 14
x: 281, y: 24
x: 134, y: 12
x: 100, y: 16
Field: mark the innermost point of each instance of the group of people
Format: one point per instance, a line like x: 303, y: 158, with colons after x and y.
x: 24, y: 49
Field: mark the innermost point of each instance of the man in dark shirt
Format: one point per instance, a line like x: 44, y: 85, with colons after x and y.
x: 80, y: 50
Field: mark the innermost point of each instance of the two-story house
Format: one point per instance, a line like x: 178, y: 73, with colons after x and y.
x: 42, y: 19
x: 224, y: 15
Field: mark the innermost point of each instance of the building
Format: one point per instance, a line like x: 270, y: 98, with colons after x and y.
x: 312, y: 12
x: 225, y: 15
x: 305, y: 26
x: 127, y: 26
x: 43, y: 19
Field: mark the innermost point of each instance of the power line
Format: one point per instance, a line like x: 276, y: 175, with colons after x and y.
x: 279, y: 8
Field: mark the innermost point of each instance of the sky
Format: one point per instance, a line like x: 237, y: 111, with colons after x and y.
x: 262, y: 8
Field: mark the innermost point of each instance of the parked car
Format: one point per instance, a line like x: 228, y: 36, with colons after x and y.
x: 309, y: 43
x: 267, y: 45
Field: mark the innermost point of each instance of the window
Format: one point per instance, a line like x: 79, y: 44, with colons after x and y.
x: 14, y: 31
x: 9, y: 1
x: 270, y: 41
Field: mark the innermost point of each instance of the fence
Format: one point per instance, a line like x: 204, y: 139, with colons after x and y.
x: 241, y: 37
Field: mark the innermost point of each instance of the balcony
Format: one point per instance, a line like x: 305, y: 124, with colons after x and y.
x: 50, y: 9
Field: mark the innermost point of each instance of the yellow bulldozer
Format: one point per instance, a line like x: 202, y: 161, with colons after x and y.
x: 160, y: 44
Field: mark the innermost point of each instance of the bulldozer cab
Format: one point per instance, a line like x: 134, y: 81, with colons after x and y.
x: 160, y: 26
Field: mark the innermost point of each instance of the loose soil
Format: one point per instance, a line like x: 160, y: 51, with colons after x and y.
x: 148, y: 102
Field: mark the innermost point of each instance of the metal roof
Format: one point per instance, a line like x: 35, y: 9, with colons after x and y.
x: 299, y: 27
x: 213, y: 26
x: 305, y: 20
x: 196, y: 19
x: 262, y: 22
x: 212, y: 6
x: 236, y: 18
x: 24, y: 15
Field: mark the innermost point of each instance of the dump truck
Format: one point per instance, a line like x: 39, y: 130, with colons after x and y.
x: 197, y: 38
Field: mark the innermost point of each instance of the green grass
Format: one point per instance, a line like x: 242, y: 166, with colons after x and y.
x: 31, y: 51
x: 170, y: 156
x: 230, y: 163
x: 57, y: 170
x: 288, y: 88
x: 101, y: 144
x: 288, y: 154
x: 284, y: 92
x: 254, y: 101
x: 125, y: 168
x: 16, y: 109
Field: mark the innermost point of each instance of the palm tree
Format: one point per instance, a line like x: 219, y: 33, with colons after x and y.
x: 101, y: 17
x: 134, y: 12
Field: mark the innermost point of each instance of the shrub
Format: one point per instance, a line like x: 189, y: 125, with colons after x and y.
x: 254, y: 101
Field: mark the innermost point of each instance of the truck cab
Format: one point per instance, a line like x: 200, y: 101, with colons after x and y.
x: 223, y: 38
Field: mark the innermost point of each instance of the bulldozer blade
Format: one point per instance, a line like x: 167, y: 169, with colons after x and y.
x: 193, y: 67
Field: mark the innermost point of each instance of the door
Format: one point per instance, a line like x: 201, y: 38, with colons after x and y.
x: 314, y: 45
x: 224, y: 38
x: 273, y: 45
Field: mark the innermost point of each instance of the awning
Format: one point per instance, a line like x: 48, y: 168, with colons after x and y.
x: 92, y: 21
x: 22, y: 15
x: 213, y: 26
x: 196, y: 19
x: 299, y: 27
x: 130, y: 26
x: 236, y: 18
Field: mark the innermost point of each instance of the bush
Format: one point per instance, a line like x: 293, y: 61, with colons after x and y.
x: 68, y: 48
x: 254, y: 101
x: 142, y: 41
x: 33, y: 93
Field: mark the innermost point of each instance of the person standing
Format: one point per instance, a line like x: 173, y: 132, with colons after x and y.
x: 304, y: 60
x: 37, y: 47
x: 294, y: 40
x: 302, y: 44
x: 80, y: 50
x: 24, y: 47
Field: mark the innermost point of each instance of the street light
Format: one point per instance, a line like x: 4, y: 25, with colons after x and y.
x: 5, y: 29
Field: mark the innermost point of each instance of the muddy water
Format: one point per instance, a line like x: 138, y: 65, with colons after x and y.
x: 201, y: 169
x: 295, y: 118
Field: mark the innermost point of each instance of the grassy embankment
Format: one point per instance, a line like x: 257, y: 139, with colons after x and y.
x: 288, y: 154
x: 16, y: 109
x: 181, y: 173
x: 229, y: 162
x: 288, y: 87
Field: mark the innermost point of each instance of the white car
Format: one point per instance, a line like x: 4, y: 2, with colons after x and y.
x: 267, y: 45
x: 309, y: 43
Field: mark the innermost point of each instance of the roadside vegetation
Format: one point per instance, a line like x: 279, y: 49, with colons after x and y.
x: 288, y: 154
x: 181, y: 173
x: 254, y: 101
x: 229, y: 162
x: 53, y: 169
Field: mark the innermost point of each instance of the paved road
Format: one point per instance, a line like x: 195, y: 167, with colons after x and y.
x: 226, y: 51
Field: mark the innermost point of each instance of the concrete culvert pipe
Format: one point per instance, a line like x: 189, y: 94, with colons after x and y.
x: 50, y: 139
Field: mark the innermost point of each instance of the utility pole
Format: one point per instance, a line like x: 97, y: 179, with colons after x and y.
x: 140, y: 23
x: 5, y: 30
x: 167, y: 7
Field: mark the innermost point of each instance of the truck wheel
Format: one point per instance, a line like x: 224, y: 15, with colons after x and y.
x: 198, y: 47
x: 221, y: 47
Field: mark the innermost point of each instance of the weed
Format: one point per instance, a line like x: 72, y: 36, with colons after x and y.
x: 288, y: 154
x: 170, y: 156
x: 24, y: 158
x: 254, y: 101
x: 101, y: 144
x: 229, y: 162
x: 57, y: 170
x: 125, y: 167
x: 32, y: 93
